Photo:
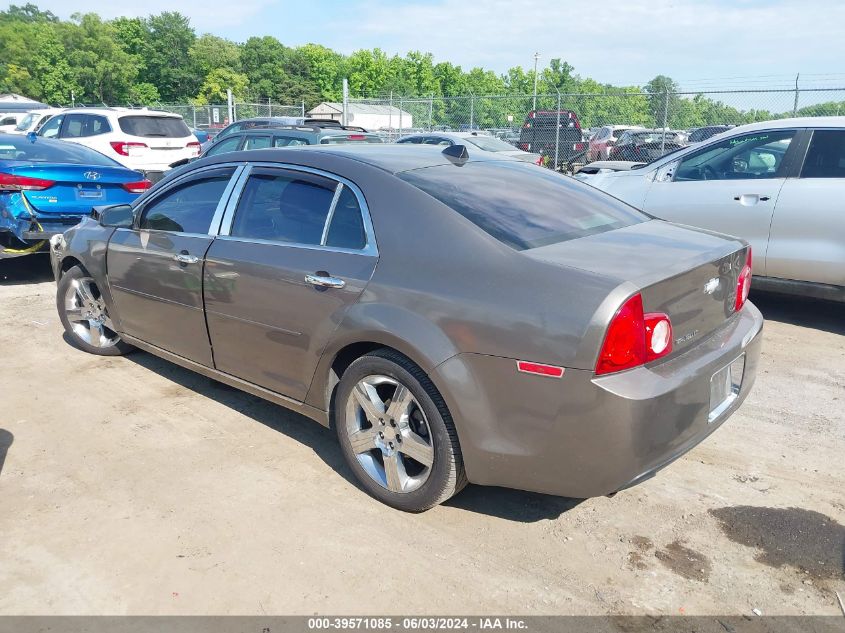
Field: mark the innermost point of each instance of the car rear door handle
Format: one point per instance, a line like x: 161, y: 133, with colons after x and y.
x: 184, y: 258
x: 324, y: 281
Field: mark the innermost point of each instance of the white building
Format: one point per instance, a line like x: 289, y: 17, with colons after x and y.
x: 365, y: 115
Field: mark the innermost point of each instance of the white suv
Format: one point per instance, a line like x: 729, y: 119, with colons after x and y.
x: 144, y: 140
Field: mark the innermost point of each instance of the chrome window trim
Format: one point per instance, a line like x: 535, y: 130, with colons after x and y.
x: 330, y: 215
x: 219, y: 210
x: 371, y: 246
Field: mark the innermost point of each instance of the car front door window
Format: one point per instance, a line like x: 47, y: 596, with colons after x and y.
x: 750, y: 156
x: 186, y: 208
x: 51, y: 128
x: 230, y: 144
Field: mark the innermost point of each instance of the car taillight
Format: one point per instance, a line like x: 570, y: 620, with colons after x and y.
x: 137, y: 187
x: 658, y: 335
x: 634, y: 338
x: 356, y: 137
x: 743, y: 283
x: 578, y: 146
x: 193, y: 145
x: 539, y: 369
x: 12, y: 182
x: 523, y: 147
x: 125, y: 147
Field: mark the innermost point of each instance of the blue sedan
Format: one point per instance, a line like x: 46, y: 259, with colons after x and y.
x: 47, y: 185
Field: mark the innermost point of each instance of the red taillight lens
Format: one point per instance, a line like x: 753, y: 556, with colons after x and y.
x: 523, y: 147
x: 578, y: 146
x: 743, y: 283
x: 137, y: 187
x: 11, y: 182
x: 634, y: 338
x: 124, y: 147
x: 356, y: 137
x: 195, y: 146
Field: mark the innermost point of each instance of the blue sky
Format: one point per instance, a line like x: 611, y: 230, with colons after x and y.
x: 702, y: 44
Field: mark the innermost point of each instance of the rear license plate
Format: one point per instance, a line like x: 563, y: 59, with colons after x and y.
x: 724, y: 387
x: 89, y: 194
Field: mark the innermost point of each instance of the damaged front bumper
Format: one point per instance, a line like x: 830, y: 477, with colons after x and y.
x: 24, y: 231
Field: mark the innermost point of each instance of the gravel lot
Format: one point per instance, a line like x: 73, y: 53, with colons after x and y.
x: 132, y: 486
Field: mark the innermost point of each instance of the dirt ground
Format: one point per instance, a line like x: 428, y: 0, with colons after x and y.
x: 132, y: 486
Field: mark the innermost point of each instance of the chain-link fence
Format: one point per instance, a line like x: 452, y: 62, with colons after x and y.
x: 568, y: 130
x: 217, y: 115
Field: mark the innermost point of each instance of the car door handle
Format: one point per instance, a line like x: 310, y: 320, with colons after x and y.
x: 324, y: 281
x: 760, y: 198
x: 184, y: 258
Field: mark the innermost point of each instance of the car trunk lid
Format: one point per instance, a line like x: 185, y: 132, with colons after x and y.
x: 688, y: 274
x: 76, y: 188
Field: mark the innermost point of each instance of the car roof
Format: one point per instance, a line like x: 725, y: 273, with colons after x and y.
x: 778, y: 124
x: 122, y: 111
x: 391, y: 157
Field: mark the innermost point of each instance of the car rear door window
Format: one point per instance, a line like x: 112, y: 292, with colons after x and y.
x: 749, y: 156
x: 189, y: 207
x: 826, y: 155
x: 257, y: 142
x: 284, y: 206
x: 522, y: 205
x: 74, y: 126
x: 346, y: 229
x: 288, y: 141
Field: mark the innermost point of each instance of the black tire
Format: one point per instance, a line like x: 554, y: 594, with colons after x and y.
x: 447, y: 476
x: 76, y: 274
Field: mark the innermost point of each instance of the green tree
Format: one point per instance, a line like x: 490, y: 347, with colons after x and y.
x: 27, y: 13
x: 662, y: 100
x: 210, y: 52
x: 166, y: 53
x: 104, y: 70
x: 143, y: 94
x: 213, y: 89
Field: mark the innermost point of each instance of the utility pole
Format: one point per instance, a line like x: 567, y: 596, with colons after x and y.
x: 536, y: 57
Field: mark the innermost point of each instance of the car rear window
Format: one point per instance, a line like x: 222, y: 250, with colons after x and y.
x: 350, y: 138
x: 522, y: 205
x: 154, y: 126
x: 22, y: 149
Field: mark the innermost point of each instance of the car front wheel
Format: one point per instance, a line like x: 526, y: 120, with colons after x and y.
x: 396, y: 433
x: 85, y: 317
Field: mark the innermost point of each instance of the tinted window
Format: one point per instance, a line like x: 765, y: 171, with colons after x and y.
x: 81, y: 125
x: 257, y: 142
x: 51, y: 127
x: 284, y: 207
x: 826, y: 156
x: 490, y: 144
x: 9, y: 120
x: 350, y: 138
x: 154, y: 126
x: 51, y: 151
x: 347, y: 227
x: 522, y: 205
x: 288, y: 141
x: 226, y: 145
x: 750, y: 156
x: 28, y: 120
x: 414, y: 139
x: 186, y: 208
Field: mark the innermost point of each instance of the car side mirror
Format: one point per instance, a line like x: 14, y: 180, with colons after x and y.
x: 119, y: 216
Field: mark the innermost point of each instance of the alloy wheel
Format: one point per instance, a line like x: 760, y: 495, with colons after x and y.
x: 86, y: 311
x: 389, y: 433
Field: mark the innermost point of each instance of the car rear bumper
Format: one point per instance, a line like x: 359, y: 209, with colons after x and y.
x: 584, y: 436
x: 24, y: 237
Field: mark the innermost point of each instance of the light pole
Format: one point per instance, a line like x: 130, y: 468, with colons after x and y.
x: 536, y: 57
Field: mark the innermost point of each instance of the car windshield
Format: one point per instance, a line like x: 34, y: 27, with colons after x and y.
x: 46, y: 151
x: 652, y: 137
x: 522, y: 205
x: 154, y: 126
x: 490, y: 143
x: 26, y: 122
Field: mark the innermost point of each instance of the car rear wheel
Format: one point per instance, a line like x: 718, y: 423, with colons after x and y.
x: 85, y: 317
x: 396, y: 433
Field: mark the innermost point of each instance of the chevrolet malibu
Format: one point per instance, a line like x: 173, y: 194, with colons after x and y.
x: 454, y: 315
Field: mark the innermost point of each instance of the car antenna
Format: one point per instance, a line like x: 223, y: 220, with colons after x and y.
x: 458, y: 154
